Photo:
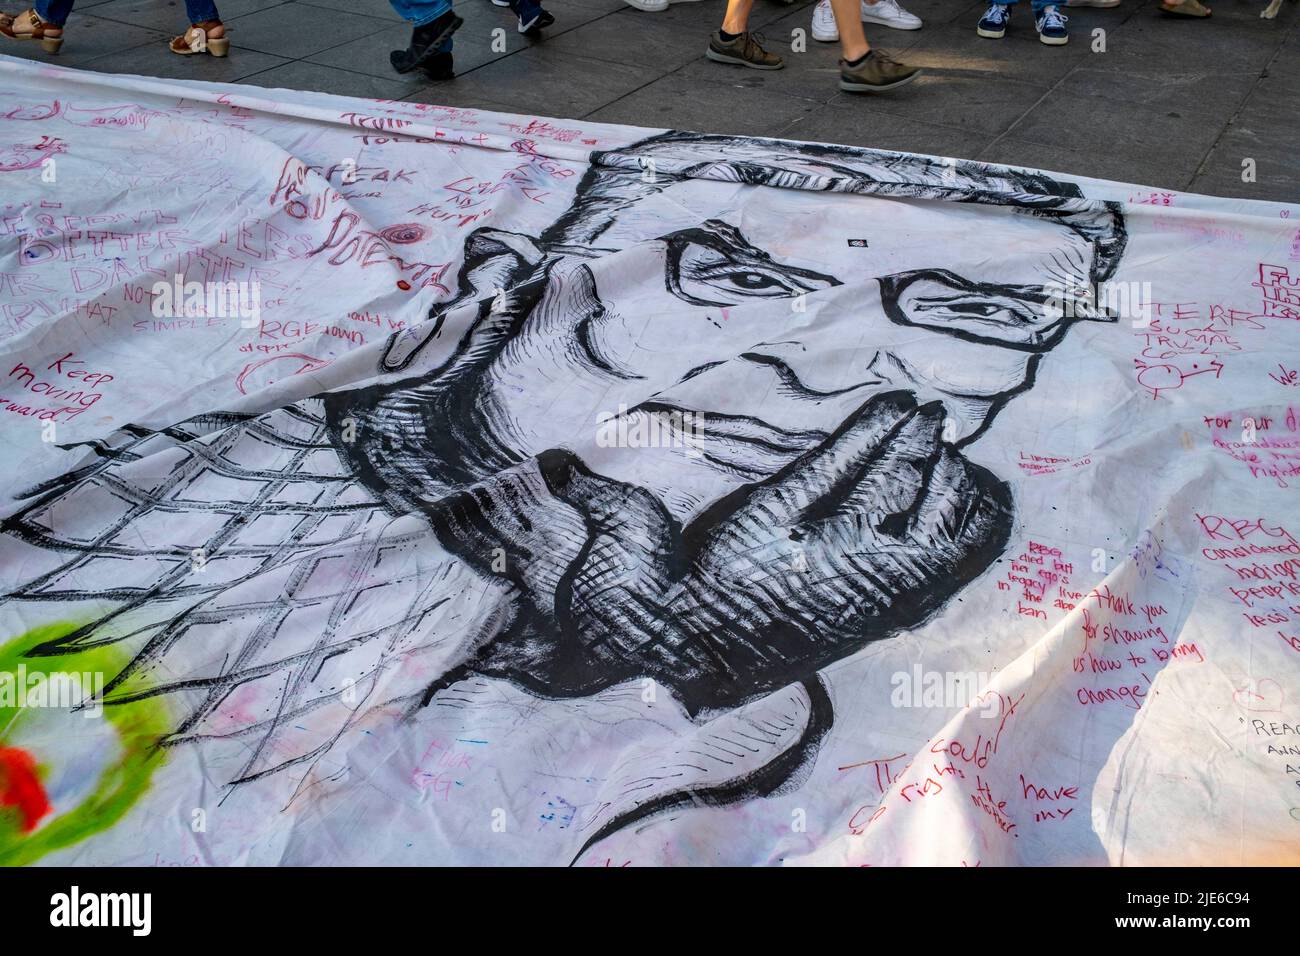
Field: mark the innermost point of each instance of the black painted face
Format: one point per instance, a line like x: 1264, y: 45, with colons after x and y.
x: 716, y: 318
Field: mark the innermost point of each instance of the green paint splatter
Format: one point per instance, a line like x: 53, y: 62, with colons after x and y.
x: 138, y: 726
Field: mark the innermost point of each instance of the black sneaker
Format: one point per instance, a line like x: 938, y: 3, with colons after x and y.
x: 875, y: 73
x: 994, y: 22
x: 1051, y: 27
x: 438, y: 67
x: 425, y: 41
x: 532, y: 17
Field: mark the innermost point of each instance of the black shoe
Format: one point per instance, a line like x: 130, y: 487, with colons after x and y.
x: 532, y: 17
x: 438, y: 67
x: 875, y: 73
x: 425, y: 41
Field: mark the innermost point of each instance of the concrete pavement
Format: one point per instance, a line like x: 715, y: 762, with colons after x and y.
x: 1167, y: 103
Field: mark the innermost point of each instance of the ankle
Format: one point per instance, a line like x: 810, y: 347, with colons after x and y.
x: 213, y: 29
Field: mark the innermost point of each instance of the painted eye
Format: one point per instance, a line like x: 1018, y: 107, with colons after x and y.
x: 708, y: 275
x: 984, y: 309
x: 754, y: 281
x: 999, y: 316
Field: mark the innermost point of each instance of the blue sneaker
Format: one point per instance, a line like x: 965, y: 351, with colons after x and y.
x: 1051, y: 27
x: 531, y: 15
x: 994, y: 22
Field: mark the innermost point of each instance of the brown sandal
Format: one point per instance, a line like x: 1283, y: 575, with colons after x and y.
x: 29, y: 26
x: 196, y: 40
x: 1185, y: 8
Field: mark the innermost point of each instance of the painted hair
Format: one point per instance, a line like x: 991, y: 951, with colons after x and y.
x: 618, y: 178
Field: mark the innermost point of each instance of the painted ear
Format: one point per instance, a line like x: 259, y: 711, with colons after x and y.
x: 494, y: 260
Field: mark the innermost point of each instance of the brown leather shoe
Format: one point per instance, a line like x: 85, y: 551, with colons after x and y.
x: 197, y: 40
x: 876, y: 73
x: 745, y: 50
x: 29, y: 26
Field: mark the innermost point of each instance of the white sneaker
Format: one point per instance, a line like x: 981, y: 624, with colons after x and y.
x: 889, y: 14
x: 884, y: 12
x: 649, y: 6
x: 823, y: 23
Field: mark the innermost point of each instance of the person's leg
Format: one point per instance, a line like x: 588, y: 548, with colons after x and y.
x: 993, y: 24
x: 206, y: 32
x: 1050, y: 22
x: 433, y: 23
x: 853, y: 41
x: 205, y: 12
x: 54, y: 12
x: 823, y: 23
x: 734, y: 43
x: 862, y: 69
x: 736, y: 19
x: 421, y: 12
x: 200, y: 11
x: 889, y: 13
x: 43, y: 22
x: 532, y: 17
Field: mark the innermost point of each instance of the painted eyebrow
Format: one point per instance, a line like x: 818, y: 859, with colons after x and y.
x: 728, y: 242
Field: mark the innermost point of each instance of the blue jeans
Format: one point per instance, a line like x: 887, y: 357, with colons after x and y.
x: 56, y: 11
x: 1038, y: 5
x: 420, y: 12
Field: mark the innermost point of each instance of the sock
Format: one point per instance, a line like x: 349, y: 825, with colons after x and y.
x: 728, y: 37
x: 858, y: 61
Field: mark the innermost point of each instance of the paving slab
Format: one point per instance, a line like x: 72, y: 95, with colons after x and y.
x: 1133, y: 96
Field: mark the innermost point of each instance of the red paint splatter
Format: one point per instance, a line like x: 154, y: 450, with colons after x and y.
x: 404, y: 285
x: 20, y: 786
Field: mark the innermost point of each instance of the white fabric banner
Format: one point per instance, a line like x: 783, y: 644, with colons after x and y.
x: 387, y: 483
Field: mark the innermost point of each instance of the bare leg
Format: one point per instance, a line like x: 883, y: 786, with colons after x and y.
x: 737, y: 18
x: 853, y: 42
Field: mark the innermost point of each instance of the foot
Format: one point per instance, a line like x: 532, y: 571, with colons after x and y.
x: 1051, y: 27
x: 875, y: 72
x: 885, y: 12
x: 1185, y: 8
x: 648, y: 6
x: 425, y: 42
x: 993, y: 24
x: 28, y: 25
x: 743, y: 50
x: 823, y: 23
x: 532, y: 18
x: 438, y: 67
x: 888, y: 13
x: 196, y: 38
